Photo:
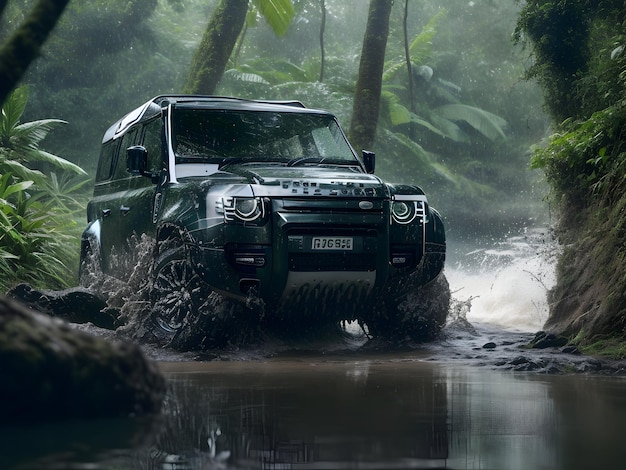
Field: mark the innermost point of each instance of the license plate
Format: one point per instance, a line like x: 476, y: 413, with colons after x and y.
x: 332, y: 243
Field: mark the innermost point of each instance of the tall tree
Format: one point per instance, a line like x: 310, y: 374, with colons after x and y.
x: 17, y: 53
x: 322, y: 30
x: 370, y: 79
x: 210, y: 59
x: 407, y: 55
x: 226, y: 23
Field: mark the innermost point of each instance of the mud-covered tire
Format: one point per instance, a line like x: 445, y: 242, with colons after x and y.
x: 175, y: 293
x: 419, y: 316
x: 186, y: 313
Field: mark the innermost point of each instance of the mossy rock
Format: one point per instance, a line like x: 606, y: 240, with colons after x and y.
x: 52, y: 371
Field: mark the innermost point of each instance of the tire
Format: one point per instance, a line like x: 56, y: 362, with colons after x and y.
x: 174, y: 292
x: 186, y: 313
x: 419, y: 316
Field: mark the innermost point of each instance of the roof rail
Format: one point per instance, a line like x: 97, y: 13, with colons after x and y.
x: 182, y: 97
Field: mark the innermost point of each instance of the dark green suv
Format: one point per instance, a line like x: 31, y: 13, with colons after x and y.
x: 264, y: 200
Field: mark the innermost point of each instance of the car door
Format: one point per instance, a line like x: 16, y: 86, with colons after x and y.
x: 137, y: 214
x: 109, y: 207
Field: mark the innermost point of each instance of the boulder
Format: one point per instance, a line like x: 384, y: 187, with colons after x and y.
x: 52, y: 371
x: 75, y: 305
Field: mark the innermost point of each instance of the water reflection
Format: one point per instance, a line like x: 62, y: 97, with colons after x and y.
x: 320, y: 413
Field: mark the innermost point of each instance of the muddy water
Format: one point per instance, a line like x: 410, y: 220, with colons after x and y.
x: 342, y: 403
x: 351, y: 411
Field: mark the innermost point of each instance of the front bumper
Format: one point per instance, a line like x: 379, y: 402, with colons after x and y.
x: 280, y: 263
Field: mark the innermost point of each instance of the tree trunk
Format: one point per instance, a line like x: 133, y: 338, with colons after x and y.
x: 322, y: 30
x: 407, y: 55
x: 17, y: 53
x: 218, y: 41
x: 369, y: 81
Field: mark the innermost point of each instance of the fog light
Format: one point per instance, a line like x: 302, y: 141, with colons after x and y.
x: 402, y: 260
x: 398, y: 260
x: 250, y: 260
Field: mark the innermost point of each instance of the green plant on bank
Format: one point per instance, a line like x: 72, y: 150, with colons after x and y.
x: 585, y: 155
x: 604, y: 346
x: 38, y: 208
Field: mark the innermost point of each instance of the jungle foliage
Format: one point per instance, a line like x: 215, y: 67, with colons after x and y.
x: 464, y: 136
x: 40, y: 198
x: 585, y: 158
x: 586, y: 96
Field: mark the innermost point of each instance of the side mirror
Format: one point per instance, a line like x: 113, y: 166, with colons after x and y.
x: 369, y: 160
x: 137, y: 160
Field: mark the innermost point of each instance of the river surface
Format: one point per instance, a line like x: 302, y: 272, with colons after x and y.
x: 341, y: 403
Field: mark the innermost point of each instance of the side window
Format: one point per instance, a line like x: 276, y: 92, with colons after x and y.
x: 128, y: 140
x: 153, y: 143
x: 105, y: 162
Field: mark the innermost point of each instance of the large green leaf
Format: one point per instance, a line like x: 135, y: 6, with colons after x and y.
x: 58, y: 162
x: 399, y: 114
x: 17, y: 187
x: 12, y: 110
x: 277, y: 13
x: 488, y: 124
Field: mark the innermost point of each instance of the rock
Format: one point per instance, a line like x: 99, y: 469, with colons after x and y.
x: 52, y: 371
x: 76, y: 305
x: 570, y: 350
x: 519, y: 360
x: 544, y: 340
x: 489, y: 345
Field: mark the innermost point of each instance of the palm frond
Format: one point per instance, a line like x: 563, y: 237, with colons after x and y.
x: 31, y: 133
x: 419, y: 49
x: 57, y: 162
x: 488, y: 124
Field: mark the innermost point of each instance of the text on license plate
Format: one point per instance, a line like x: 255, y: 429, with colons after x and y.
x: 332, y: 243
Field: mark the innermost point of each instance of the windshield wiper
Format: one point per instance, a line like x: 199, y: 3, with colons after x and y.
x: 249, y: 160
x: 303, y: 160
x: 230, y: 161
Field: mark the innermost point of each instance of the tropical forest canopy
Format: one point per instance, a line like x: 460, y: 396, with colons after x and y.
x: 464, y: 136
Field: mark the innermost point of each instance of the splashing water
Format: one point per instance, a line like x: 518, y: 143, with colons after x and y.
x: 506, y: 283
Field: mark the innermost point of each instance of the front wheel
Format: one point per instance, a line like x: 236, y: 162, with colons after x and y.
x: 187, y: 314
x: 418, y: 316
x: 176, y: 290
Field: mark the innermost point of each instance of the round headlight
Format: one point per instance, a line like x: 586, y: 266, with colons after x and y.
x: 246, y: 208
x: 402, y: 212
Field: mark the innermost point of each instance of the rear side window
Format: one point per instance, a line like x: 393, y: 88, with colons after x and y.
x: 128, y: 140
x: 105, y: 163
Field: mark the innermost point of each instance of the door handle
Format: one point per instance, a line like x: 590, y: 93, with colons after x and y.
x: 106, y: 212
x: 124, y: 210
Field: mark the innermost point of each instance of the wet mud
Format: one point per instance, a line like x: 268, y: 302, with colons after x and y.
x: 460, y: 343
x: 523, y: 263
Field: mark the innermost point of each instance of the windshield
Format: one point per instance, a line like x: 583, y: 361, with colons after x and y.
x: 227, y: 136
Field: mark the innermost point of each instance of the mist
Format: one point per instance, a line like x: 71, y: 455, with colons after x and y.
x: 481, y: 184
x: 103, y: 61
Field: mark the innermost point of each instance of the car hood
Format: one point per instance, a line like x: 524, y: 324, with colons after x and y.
x: 312, y: 181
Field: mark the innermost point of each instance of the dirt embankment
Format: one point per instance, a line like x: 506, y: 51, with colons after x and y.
x: 588, y: 303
